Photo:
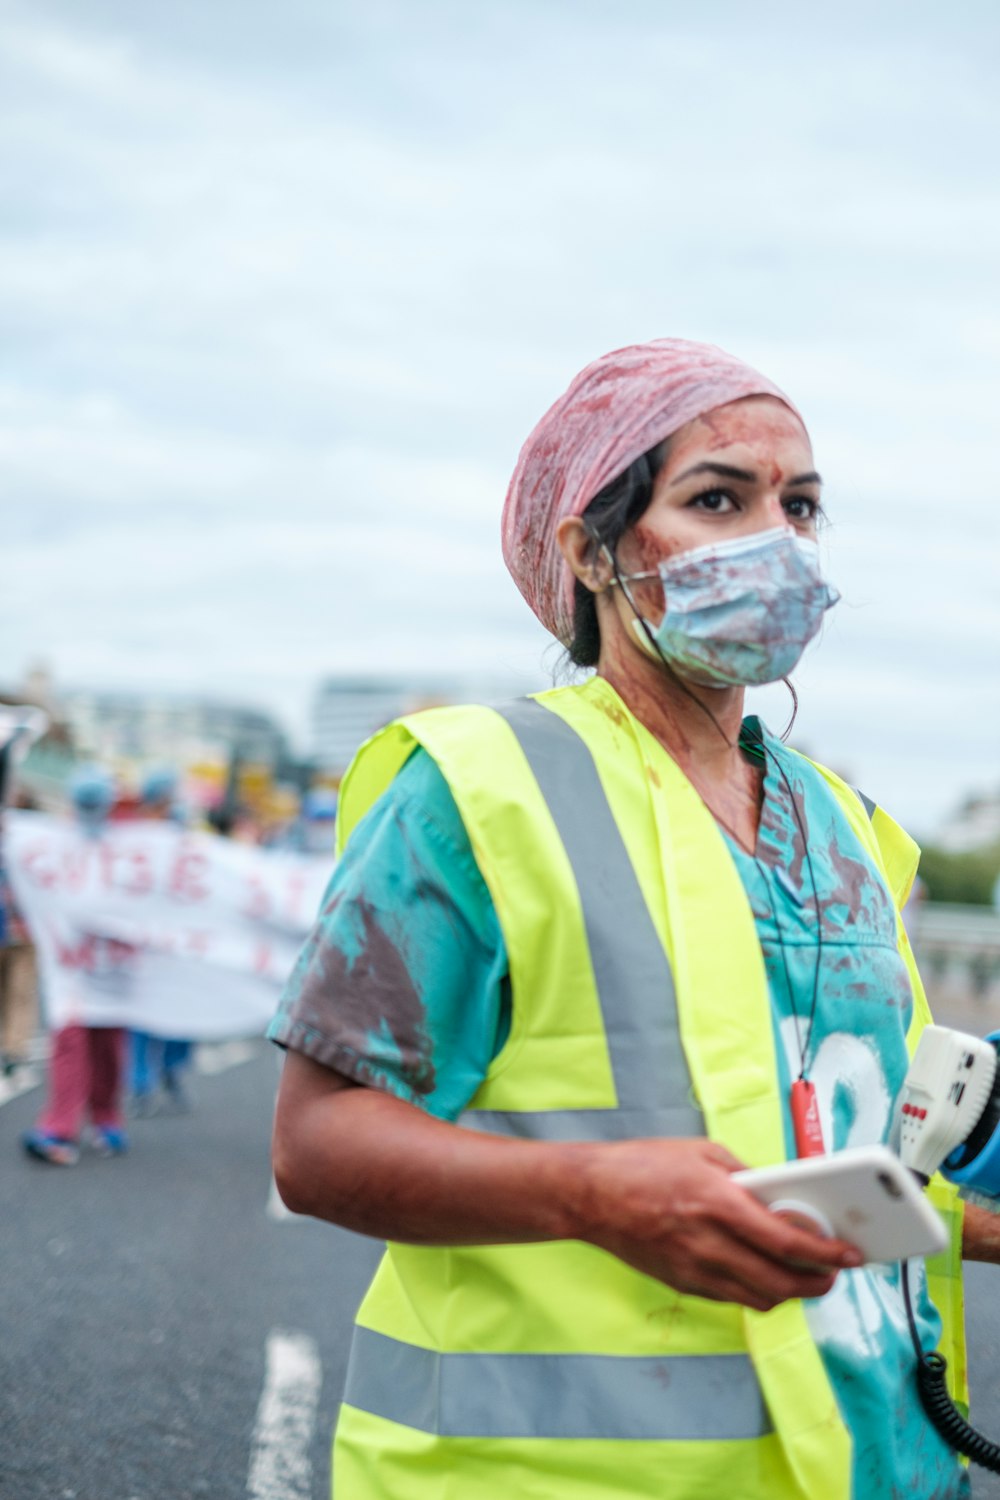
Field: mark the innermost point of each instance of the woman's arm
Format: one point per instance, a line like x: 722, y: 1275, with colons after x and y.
x: 370, y: 1162
x: 980, y: 1234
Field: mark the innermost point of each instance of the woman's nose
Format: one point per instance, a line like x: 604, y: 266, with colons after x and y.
x: 774, y: 512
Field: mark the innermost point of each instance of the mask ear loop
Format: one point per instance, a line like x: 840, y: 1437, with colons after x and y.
x: 620, y: 580
x: 622, y: 583
x: 789, y: 684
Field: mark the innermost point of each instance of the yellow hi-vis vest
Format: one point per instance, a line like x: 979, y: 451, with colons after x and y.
x: 640, y: 1008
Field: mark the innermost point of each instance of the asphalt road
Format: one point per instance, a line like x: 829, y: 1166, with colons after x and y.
x: 140, y: 1299
x: 166, y: 1333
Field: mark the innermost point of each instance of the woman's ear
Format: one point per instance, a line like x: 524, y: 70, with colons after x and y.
x: 585, y: 556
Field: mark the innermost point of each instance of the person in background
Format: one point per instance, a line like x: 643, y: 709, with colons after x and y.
x: 159, y: 1062
x: 318, y: 821
x: 220, y: 820
x: 86, y: 1063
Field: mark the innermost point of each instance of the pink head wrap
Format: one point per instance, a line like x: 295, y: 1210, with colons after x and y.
x: 615, y: 410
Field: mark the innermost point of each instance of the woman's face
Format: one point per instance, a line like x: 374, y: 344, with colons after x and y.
x: 742, y: 468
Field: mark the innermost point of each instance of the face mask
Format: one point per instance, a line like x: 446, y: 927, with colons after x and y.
x: 739, y: 612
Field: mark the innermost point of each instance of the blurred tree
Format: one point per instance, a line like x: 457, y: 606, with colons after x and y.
x: 969, y: 878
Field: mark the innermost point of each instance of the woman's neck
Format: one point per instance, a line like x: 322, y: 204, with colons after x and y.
x: 699, y: 728
x: 690, y: 722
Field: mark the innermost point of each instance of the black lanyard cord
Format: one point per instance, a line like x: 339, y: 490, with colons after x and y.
x: 757, y: 740
x: 944, y: 1415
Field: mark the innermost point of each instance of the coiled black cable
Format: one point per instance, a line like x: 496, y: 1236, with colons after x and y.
x: 937, y: 1403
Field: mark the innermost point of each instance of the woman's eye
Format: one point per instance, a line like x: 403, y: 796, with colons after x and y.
x: 801, y: 508
x: 719, y: 502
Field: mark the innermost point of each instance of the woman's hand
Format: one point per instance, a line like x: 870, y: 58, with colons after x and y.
x: 669, y: 1208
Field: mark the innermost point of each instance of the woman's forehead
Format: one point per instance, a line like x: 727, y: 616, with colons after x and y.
x: 763, y: 424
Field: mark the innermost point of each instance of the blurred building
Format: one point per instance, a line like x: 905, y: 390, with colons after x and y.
x: 347, y: 710
x: 160, y: 728
x: 976, y: 825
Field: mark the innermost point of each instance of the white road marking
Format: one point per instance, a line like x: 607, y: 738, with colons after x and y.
x: 220, y: 1056
x: 19, y: 1083
x: 280, y: 1467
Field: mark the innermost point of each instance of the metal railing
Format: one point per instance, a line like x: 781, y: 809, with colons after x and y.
x: 958, y: 951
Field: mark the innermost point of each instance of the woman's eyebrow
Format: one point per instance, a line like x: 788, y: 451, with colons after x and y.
x: 707, y: 467
x: 729, y: 471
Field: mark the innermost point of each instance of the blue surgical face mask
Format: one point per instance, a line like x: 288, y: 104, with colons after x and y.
x: 738, y: 612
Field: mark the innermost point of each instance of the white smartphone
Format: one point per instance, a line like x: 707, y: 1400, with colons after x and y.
x: 864, y: 1195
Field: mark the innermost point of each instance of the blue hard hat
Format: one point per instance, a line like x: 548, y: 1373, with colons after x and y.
x: 91, y: 789
x: 158, y: 785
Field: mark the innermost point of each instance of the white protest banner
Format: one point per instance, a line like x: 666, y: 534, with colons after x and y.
x: 146, y: 925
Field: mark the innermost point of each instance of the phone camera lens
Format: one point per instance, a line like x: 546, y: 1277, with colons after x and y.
x: 890, y: 1184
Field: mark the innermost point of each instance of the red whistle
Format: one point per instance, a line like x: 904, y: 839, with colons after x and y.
x: 805, y: 1119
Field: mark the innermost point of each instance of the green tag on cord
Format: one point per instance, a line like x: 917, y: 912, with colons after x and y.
x: 805, y: 1119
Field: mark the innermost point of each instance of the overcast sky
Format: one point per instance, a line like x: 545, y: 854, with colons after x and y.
x: 284, y: 287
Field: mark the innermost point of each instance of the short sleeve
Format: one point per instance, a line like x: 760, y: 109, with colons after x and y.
x: 402, y: 984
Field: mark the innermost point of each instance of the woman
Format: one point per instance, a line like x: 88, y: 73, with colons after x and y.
x: 582, y: 958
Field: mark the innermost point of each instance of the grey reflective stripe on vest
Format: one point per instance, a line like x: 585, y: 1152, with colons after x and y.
x: 632, y: 972
x: 866, y: 802
x: 693, y: 1397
